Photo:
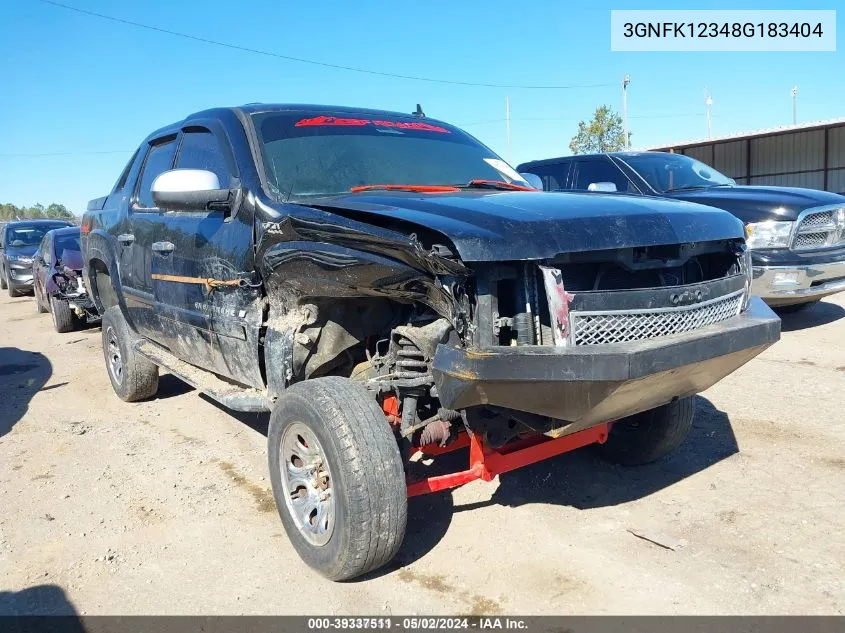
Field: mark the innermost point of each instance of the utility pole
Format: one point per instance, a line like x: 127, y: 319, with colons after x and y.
x: 508, y: 125
x: 794, y: 105
x: 625, y: 81
x: 708, y: 102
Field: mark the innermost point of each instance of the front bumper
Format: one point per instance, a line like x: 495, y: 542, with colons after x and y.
x: 585, y: 386
x: 782, y: 285
x: 20, y: 276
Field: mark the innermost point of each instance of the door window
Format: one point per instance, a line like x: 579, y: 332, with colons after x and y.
x: 201, y: 149
x: 600, y: 170
x: 159, y: 160
x: 45, y: 251
x: 553, y: 175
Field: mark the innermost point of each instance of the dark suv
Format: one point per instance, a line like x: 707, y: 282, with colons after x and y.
x: 386, y: 285
x: 20, y: 241
x: 796, y: 236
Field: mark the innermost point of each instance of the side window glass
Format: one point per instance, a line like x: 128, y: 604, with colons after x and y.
x: 46, y: 248
x: 121, y: 182
x: 553, y: 176
x: 590, y: 171
x: 159, y: 160
x: 201, y: 149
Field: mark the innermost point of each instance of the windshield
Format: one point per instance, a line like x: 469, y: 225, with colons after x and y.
x: 674, y: 172
x: 308, y: 155
x: 28, y: 234
x: 62, y: 243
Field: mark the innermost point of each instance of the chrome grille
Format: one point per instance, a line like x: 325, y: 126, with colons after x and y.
x: 602, y: 328
x: 819, y: 229
x: 809, y: 240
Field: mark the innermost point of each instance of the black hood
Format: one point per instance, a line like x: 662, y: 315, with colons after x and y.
x: 503, y: 226
x: 755, y: 204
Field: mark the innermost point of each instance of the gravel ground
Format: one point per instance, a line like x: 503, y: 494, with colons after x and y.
x: 164, y: 507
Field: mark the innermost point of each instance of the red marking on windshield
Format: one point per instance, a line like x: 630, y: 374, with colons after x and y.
x: 418, y: 188
x: 330, y: 121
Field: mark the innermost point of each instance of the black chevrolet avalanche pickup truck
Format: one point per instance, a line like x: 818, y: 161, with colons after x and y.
x: 386, y: 286
x: 796, y: 236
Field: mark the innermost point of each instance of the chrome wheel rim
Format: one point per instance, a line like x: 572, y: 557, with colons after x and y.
x: 307, y: 484
x: 114, y: 357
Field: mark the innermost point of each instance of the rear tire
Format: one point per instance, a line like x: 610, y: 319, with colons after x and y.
x: 646, y: 437
x: 337, y: 477
x: 133, y: 377
x: 39, y: 307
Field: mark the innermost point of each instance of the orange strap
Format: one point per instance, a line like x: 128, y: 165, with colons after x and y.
x: 209, y: 283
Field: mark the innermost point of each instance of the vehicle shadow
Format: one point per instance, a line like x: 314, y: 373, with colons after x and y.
x: 22, y: 375
x: 812, y: 316
x: 169, y: 386
x: 579, y: 479
x: 40, y: 600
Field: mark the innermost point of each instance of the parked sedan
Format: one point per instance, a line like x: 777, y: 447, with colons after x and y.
x: 57, y: 280
x: 796, y: 236
x: 19, y: 243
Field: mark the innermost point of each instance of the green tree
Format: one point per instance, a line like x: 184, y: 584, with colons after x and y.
x: 58, y: 212
x: 603, y: 134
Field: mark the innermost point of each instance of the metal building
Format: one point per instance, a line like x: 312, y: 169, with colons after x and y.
x: 806, y: 155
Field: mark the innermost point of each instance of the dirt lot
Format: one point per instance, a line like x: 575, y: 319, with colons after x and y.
x: 164, y: 507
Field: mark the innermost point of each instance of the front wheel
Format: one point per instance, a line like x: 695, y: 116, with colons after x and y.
x: 3, y: 283
x: 646, y: 437
x: 63, y: 319
x: 337, y: 477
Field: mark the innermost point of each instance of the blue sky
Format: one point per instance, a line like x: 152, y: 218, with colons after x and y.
x: 77, y: 84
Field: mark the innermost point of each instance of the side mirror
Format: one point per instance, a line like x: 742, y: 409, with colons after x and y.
x: 601, y: 186
x: 188, y: 190
x: 533, y: 179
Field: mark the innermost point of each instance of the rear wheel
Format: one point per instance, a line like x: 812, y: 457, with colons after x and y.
x: 337, y: 477
x: 646, y: 437
x: 133, y: 376
x: 39, y: 307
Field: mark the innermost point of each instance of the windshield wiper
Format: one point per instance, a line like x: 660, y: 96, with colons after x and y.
x: 687, y: 188
x: 480, y: 183
x: 418, y: 188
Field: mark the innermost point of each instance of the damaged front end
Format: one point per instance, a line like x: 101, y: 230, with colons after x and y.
x: 505, y: 350
x: 66, y: 284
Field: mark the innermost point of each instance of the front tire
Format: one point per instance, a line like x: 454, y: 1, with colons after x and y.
x: 133, y: 377
x: 3, y: 283
x: 646, y: 437
x: 63, y: 319
x: 337, y: 477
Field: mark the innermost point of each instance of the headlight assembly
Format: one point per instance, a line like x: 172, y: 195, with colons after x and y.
x: 768, y: 234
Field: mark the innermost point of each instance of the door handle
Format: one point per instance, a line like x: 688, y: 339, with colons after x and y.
x: 163, y: 247
x: 126, y: 238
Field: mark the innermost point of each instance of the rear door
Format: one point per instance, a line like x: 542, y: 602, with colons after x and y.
x: 144, y: 227
x: 554, y: 175
x: 41, y: 265
x: 214, y: 328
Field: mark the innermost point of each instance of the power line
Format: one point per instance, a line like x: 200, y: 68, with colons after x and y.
x: 313, y: 62
x: 43, y: 154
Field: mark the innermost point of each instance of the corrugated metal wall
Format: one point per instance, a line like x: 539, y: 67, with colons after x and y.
x: 812, y: 158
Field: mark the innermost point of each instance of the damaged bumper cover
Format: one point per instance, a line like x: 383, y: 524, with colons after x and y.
x: 585, y: 386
